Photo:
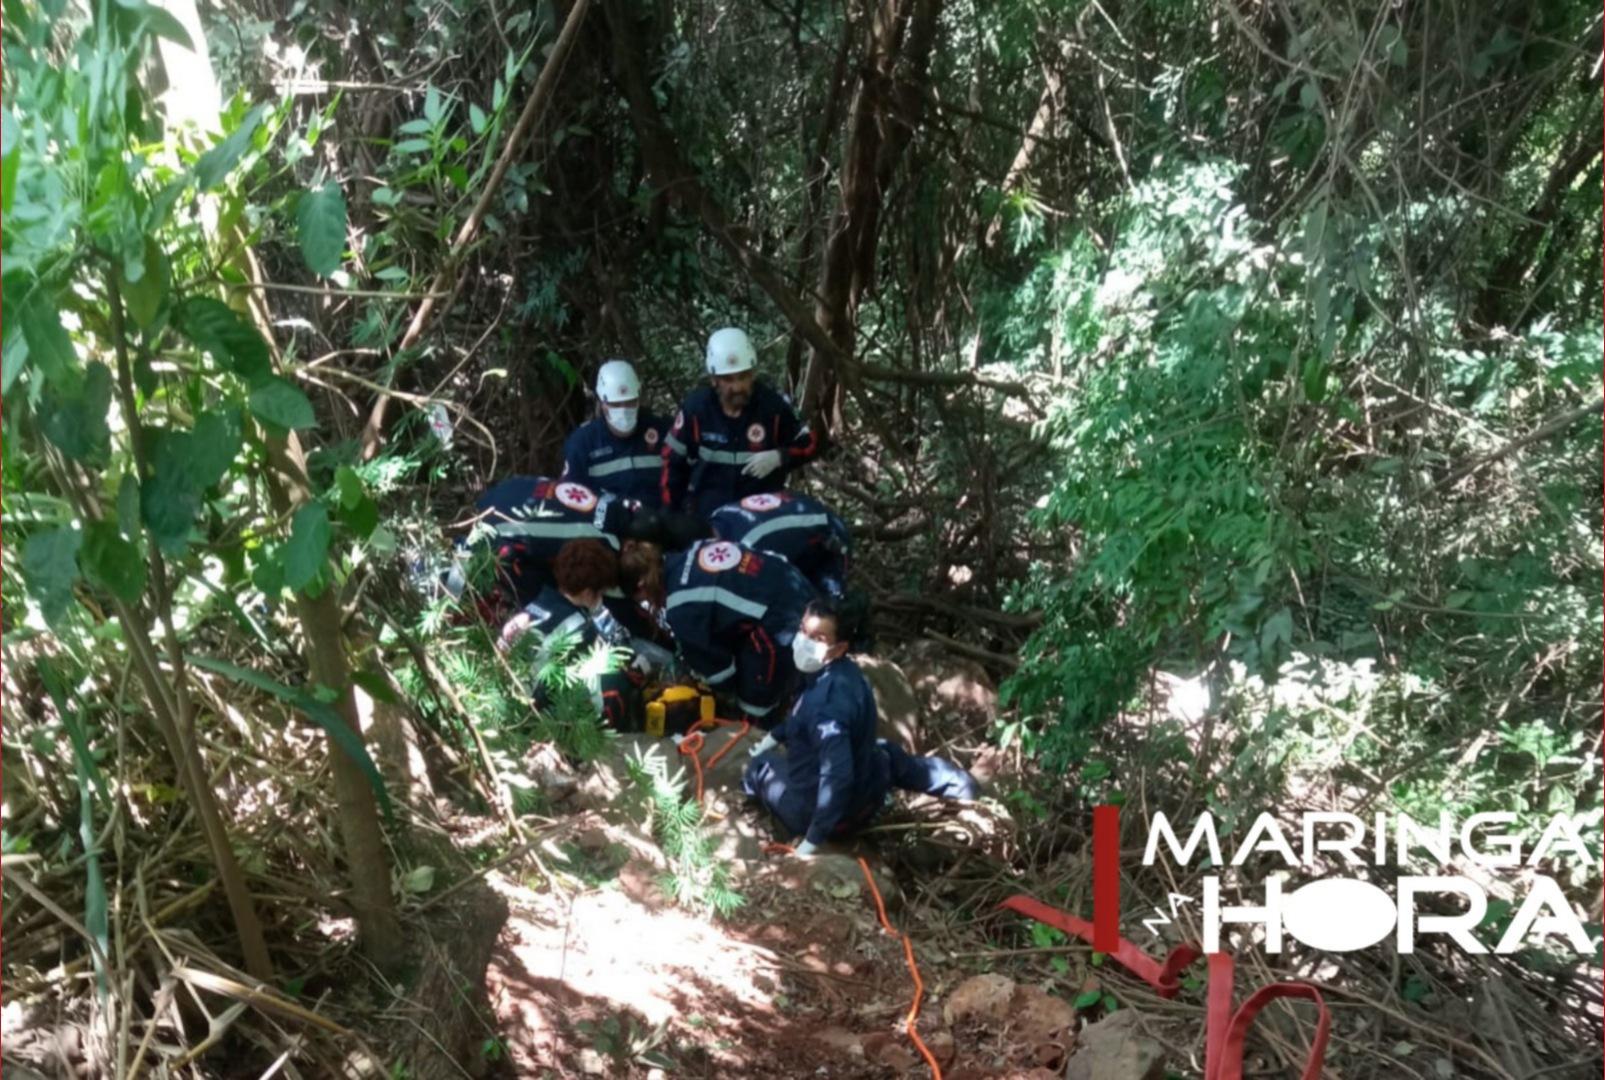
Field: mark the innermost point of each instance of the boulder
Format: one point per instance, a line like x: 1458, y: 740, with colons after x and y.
x: 956, y: 693
x: 899, y: 718
x: 1114, y: 1049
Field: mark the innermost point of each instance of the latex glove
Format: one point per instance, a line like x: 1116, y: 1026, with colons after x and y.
x: 803, y: 850
x: 515, y: 628
x: 642, y: 664
x: 762, y: 464
x: 769, y: 742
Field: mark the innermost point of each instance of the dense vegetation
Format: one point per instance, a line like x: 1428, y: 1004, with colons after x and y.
x: 1252, y: 344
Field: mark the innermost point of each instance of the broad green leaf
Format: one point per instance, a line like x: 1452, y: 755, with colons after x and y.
x: 15, y: 358
x: 50, y: 567
x: 214, y: 445
x: 163, y: 24
x: 111, y: 562
x: 321, y: 228
x: 128, y: 506
x: 323, y: 715
x: 169, y: 503
x: 281, y: 405
x: 1087, y: 998
x: 362, y: 518
x: 477, y: 118
x: 412, y: 146
x: 48, y: 344
x: 219, y: 330
x: 433, y: 108
x: 350, y: 485
x: 307, y: 551
x: 415, y: 127
x: 10, y: 132
x: 385, y: 196
x: 143, y: 298
x: 215, y: 165
x: 77, y: 423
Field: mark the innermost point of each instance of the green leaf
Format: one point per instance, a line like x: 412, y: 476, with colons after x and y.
x: 219, y: 330
x: 143, y: 298
x: 77, y: 424
x: 1279, y: 627
x: 321, y: 228
x: 282, y: 405
x: 385, y: 196
x: 15, y: 358
x: 323, y: 715
x: 412, y: 146
x: 10, y: 133
x: 376, y: 685
x: 168, y: 502
x: 307, y: 551
x: 111, y: 562
x: 350, y: 485
x: 433, y: 108
x: 163, y: 24
x: 215, y: 165
x: 214, y: 445
x: 50, y: 567
x: 419, y: 126
x: 48, y: 344
x: 1087, y: 998
x: 128, y: 506
x: 477, y: 118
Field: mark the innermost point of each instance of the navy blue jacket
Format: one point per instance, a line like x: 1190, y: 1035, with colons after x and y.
x: 832, y: 766
x: 631, y: 467
x: 705, y: 450
x: 554, y: 616
x: 800, y: 530
x: 718, y: 592
x: 530, y: 518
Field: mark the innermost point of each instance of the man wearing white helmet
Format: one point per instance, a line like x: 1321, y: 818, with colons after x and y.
x: 735, y: 437
x: 618, y: 452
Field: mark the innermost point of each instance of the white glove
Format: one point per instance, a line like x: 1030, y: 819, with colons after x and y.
x: 803, y: 850
x: 515, y: 628
x: 769, y: 742
x: 762, y: 464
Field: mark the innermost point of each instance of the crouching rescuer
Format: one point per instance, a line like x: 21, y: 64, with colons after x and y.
x: 835, y: 775
x: 572, y: 620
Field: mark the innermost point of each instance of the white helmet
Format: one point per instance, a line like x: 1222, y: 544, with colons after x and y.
x: 730, y: 352
x: 616, y: 380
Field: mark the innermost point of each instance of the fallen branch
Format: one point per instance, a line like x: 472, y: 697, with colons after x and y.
x: 1552, y: 426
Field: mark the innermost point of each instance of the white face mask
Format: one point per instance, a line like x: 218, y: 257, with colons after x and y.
x: 621, y: 420
x: 808, y: 654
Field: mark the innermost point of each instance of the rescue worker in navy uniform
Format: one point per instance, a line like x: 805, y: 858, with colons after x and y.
x: 621, y: 450
x: 531, y: 518
x: 801, y: 530
x: 571, y: 609
x: 732, y: 612
x: 835, y: 775
x: 736, y: 437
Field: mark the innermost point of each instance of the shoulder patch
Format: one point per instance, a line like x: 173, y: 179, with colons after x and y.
x: 650, y: 436
x: 755, y: 433
x: 576, y: 497
x: 718, y: 556
x: 761, y: 503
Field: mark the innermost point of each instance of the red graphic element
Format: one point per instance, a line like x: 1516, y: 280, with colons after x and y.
x: 720, y: 556
x: 755, y: 433
x: 1226, y: 1031
x: 760, y: 503
x: 576, y: 497
x: 1106, y: 878
x: 650, y: 436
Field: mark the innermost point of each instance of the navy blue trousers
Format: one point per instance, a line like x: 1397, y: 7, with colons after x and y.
x: 891, y: 767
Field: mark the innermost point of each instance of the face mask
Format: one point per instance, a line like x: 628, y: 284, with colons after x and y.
x: 621, y: 420
x: 808, y: 654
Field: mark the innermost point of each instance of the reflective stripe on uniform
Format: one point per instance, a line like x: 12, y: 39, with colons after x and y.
x: 674, y: 444
x: 714, y: 680
x: 753, y: 710
x: 780, y: 524
x: 555, y: 529
x: 726, y: 457
x: 624, y: 464
x: 713, y: 594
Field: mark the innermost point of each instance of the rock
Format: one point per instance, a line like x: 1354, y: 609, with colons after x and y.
x: 842, y: 1041
x: 897, y: 707
x: 983, y: 998
x: 956, y: 693
x: 1113, y: 1049
x: 1042, y: 1018
x: 893, y: 1051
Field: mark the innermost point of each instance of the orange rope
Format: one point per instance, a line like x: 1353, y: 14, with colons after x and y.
x: 691, y: 745
x: 913, y: 970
